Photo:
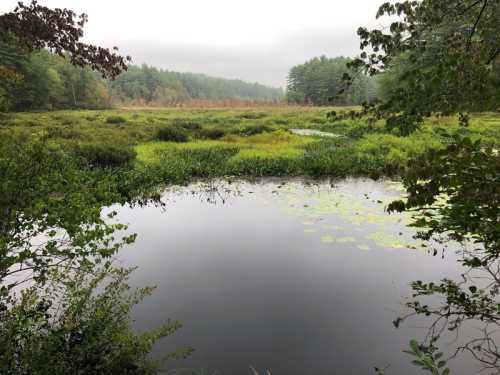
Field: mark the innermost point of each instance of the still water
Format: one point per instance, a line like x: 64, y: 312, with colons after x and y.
x: 294, y: 277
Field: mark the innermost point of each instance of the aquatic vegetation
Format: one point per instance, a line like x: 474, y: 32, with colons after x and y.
x: 328, y: 239
x: 326, y: 210
x: 263, y: 136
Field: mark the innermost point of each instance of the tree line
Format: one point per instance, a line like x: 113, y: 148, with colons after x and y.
x: 149, y: 85
x: 42, y: 80
x: 319, y: 81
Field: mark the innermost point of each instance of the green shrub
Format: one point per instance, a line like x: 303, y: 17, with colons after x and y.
x: 172, y: 134
x: 105, y: 155
x: 253, y: 115
x: 116, y: 120
x: 255, y: 129
x: 358, y: 132
x: 63, y: 132
x: 87, y: 331
x: 211, y: 133
x: 69, y: 121
x: 186, y: 124
x: 282, y: 121
x: 5, y: 117
x: 321, y: 120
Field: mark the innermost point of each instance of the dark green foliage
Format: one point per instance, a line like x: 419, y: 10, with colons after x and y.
x: 282, y: 121
x: 43, y: 189
x: 438, y: 56
x: 467, y: 174
x: 320, y: 82
x: 454, y: 194
x: 80, y: 325
x: 442, y: 57
x: 52, y: 233
x: 186, y: 124
x: 69, y: 121
x: 63, y: 132
x: 211, y: 133
x: 253, y: 115
x: 12, y: 61
x: 250, y: 130
x: 65, y: 322
x: 105, y: 155
x: 43, y: 81
x: 171, y: 134
x: 359, y: 131
x: 428, y: 357
x: 116, y: 120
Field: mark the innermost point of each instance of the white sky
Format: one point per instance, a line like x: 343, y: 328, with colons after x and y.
x: 230, y: 38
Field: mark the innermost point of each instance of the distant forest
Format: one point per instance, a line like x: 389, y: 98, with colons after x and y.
x: 148, y: 85
x: 319, y: 82
x: 44, y: 81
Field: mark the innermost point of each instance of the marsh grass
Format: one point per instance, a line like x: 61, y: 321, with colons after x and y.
x: 172, y: 134
x: 116, y: 120
x: 247, y: 142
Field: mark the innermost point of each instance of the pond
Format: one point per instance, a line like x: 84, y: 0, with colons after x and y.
x: 294, y: 277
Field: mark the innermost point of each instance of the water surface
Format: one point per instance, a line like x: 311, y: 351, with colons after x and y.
x: 291, y: 277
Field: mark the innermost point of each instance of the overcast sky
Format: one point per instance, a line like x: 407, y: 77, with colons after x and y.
x: 257, y: 40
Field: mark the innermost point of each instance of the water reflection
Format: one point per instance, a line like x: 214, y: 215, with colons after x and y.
x: 289, y: 276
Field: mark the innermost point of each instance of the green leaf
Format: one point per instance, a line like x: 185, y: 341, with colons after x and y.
x: 415, y: 347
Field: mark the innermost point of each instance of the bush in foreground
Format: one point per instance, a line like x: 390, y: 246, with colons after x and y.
x: 71, y: 328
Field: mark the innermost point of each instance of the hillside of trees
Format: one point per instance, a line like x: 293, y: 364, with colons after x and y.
x: 148, y: 85
x: 319, y: 81
x: 45, y: 81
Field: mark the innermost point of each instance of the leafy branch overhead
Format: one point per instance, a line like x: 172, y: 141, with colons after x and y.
x: 444, y: 56
x: 453, y: 194
x: 35, y: 27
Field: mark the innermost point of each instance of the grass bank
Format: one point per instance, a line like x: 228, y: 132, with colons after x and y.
x: 178, y: 145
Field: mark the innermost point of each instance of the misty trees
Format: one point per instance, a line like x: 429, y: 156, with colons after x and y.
x: 41, y: 80
x: 319, y: 81
x: 151, y: 86
x: 47, y: 81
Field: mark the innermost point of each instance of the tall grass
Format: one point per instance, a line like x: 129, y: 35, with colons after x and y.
x: 176, y: 145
